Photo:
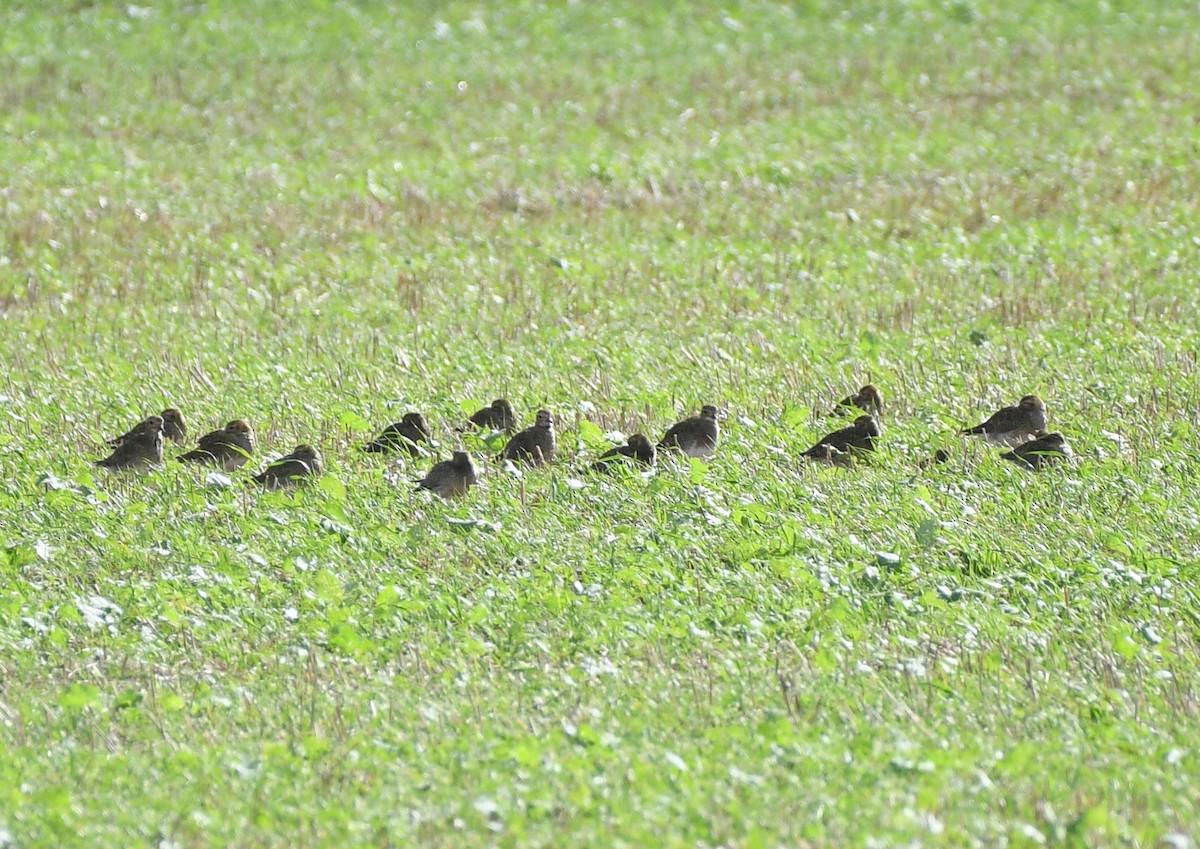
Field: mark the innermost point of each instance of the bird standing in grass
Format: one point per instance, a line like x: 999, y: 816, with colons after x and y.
x: 498, y: 415
x: 695, y: 437
x: 450, y: 478
x: 1011, y: 426
x: 303, y: 463
x: 401, y: 436
x: 139, y: 449
x: 227, y: 448
x: 637, y: 450
x: 534, y: 445
x: 856, y: 438
x: 174, y: 428
x: 1045, y: 450
x: 868, y: 399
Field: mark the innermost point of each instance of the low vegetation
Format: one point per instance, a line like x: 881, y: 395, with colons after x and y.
x: 318, y: 217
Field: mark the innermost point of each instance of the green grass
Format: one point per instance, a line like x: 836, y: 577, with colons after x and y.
x: 316, y: 216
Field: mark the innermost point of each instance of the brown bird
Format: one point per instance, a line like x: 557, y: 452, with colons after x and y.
x: 534, y: 445
x: 1013, y: 425
x: 291, y: 469
x: 940, y: 456
x: 1045, y: 450
x: 638, y: 449
x: 227, y: 448
x: 174, y: 428
x: 868, y: 399
x: 139, y: 450
x: 450, y: 478
x: 856, y: 438
x: 401, y: 436
x: 823, y: 452
x: 695, y: 437
x: 498, y: 416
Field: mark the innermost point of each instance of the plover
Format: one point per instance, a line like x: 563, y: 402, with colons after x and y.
x: 695, y: 437
x: 227, y: 448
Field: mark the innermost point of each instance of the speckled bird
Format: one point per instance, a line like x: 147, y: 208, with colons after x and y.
x: 858, y: 437
x: 227, y: 448
x: 139, y: 450
x: 451, y: 478
x: 1047, y: 449
x: 174, y: 428
x: 695, y: 437
x: 868, y: 399
x: 638, y: 449
x: 401, y: 436
x: 825, y: 453
x: 303, y: 463
x: 535, y: 445
x: 498, y: 415
x: 1012, y: 426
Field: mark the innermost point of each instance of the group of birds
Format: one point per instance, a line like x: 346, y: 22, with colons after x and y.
x: 1021, y: 428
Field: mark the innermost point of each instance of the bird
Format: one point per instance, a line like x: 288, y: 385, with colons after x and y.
x: 498, y: 415
x: 940, y: 456
x: 868, y: 399
x: 291, y: 469
x: 638, y: 449
x: 174, y: 428
x: 695, y: 437
x: 1010, y: 426
x: 825, y: 453
x: 858, y: 437
x: 1045, y: 450
x: 228, y: 448
x: 401, y: 436
x: 450, y: 478
x: 534, y: 445
x: 139, y: 450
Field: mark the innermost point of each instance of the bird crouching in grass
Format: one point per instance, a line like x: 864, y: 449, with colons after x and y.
x: 830, y: 456
x: 868, y: 399
x: 856, y: 439
x: 227, y: 448
x: 498, y: 415
x: 450, y: 478
x: 637, y: 451
x: 1046, y: 450
x: 174, y: 428
x: 139, y: 450
x: 401, y: 436
x: 1011, y: 426
x: 694, y: 437
x: 304, y: 463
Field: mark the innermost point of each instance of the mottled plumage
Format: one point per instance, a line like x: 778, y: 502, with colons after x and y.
x: 450, y: 478
x: 534, y: 445
x: 695, y: 437
x: 859, y: 436
x: 173, y: 428
x: 637, y: 450
x: 140, y: 449
x: 497, y: 416
x: 1012, y: 426
x: 401, y: 436
x: 227, y: 448
x: 1045, y: 450
x: 868, y: 399
x: 825, y: 453
x: 291, y: 469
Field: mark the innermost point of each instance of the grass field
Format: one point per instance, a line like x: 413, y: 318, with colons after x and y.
x: 315, y: 216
